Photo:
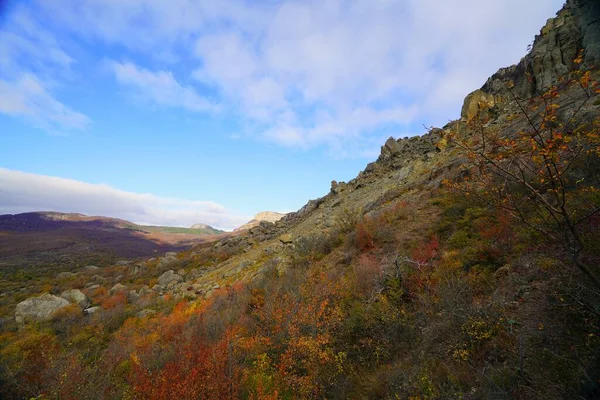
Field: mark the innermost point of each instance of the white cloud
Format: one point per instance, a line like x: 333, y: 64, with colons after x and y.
x: 28, y: 97
x: 31, y: 63
x: 23, y: 192
x: 313, y: 72
x: 160, y: 87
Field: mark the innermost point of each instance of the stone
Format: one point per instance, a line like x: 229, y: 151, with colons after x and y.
x: 286, y: 238
x: 192, y: 275
x: 137, y: 269
x: 98, y: 279
x: 171, y: 254
x: 133, y: 296
x: 63, y: 275
x: 168, y: 277
x: 117, y: 288
x: 166, y: 262
x: 119, y: 278
x: 390, y: 148
x: 90, y: 269
x: 475, y: 103
x: 123, y: 263
x: 181, y: 272
x: 37, y: 309
x: 76, y: 296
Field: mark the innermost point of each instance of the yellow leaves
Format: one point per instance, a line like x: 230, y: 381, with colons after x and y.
x: 460, y: 354
x: 579, y: 58
x: 585, y: 79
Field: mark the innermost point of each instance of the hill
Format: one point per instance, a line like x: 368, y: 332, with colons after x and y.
x: 265, y: 216
x: 459, y: 264
x: 50, y: 240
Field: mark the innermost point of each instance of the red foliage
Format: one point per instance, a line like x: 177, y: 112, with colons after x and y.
x: 117, y: 299
x: 364, y: 236
x: 426, y: 252
x: 197, y: 370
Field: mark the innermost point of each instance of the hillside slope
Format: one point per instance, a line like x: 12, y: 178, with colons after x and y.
x: 48, y: 240
x: 401, y: 283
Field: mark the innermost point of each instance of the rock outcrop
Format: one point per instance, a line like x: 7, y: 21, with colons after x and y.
x: 168, y: 277
x: 266, y: 216
x: 76, y: 296
x: 575, y: 28
x: 37, y: 309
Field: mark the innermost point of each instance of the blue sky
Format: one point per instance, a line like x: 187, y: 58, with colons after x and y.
x: 182, y: 111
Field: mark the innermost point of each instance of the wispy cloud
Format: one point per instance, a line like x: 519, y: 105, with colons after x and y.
x: 160, y: 87
x: 27, y: 97
x: 309, y: 73
x: 22, y: 192
x: 32, y: 66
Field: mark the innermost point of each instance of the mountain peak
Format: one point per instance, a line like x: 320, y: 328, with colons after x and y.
x: 266, y: 216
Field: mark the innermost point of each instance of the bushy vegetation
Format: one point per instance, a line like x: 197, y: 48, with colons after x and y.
x: 472, y: 302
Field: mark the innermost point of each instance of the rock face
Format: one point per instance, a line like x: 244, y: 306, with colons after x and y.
x: 576, y: 27
x: 39, y: 308
x: 76, y: 296
x: 168, y: 277
x: 266, y: 216
x: 475, y: 103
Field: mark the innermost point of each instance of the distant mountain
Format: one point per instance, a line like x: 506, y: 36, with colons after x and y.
x: 50, y: 239
x: 267, y: 216
x: 206, y: 228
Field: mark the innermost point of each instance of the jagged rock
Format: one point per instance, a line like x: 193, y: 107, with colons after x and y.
x: 168, y: 277
x: 92, y: 286
x: 286, y: 238
x: 268, y: 216
x: 390, y: 149
x: 166, y: 262
x: 181, y: 272
x: 119, y: 278
x: 76, y: 296
x: 137, y: 269
x: 39, y: 308
x: 90, y: 269
x: 171, y: 254
x: 133, y: 296
x: 192, y: 275
x: 475, y: 103
x: 123, y: 263
x: 62, y: 275
x: 576, y: 27
x: 117, y: 288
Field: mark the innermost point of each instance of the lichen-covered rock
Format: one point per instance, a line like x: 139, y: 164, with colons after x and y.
x: 166, y: 262
x: 475, y: 103
x: 576, y: 27
x: 117, y: 288
x: 168, y: 277
x: 286, y: 238
x: 76, y: 296
x: 41, y: 308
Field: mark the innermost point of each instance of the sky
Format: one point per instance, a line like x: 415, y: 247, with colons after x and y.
x: 185, y: 111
